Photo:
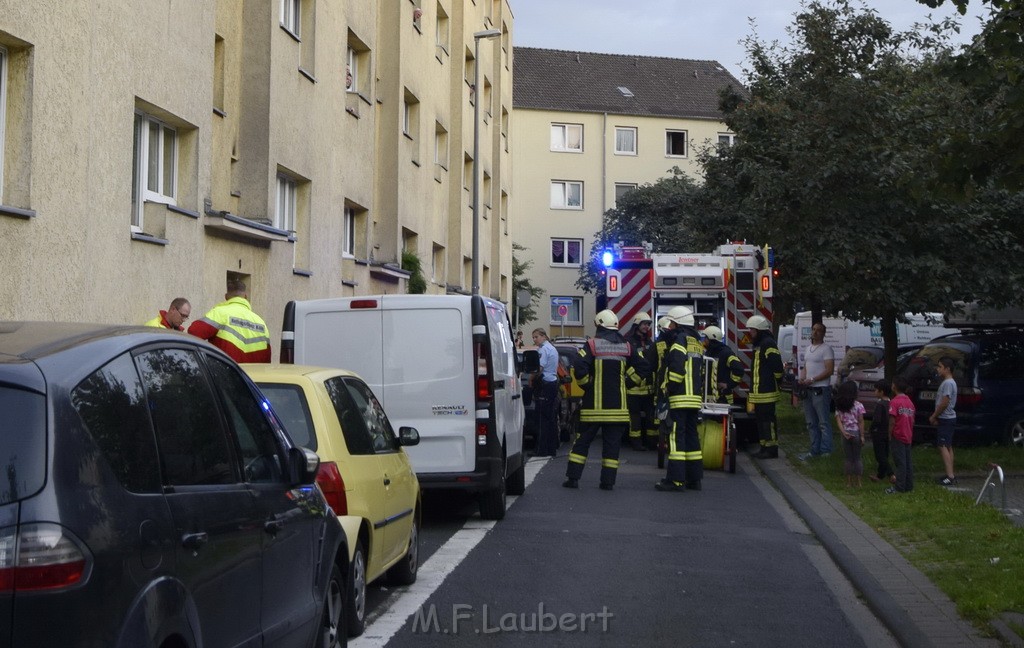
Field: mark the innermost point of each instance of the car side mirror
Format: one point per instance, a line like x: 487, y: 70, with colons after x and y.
x: 408, y: 436
x: 303, y: 464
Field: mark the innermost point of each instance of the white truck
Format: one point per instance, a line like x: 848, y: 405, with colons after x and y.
x: 842, y: 334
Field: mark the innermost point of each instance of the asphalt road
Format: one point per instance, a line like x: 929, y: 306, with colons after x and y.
x: 728, y: 566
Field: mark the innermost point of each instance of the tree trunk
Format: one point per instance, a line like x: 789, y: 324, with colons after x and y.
x: 891, y: 343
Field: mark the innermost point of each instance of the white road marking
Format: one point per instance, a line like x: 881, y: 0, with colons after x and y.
x: 405, y: 601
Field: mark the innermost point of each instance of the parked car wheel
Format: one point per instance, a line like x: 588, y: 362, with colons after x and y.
x: 1015, y: 433
x: 492, y: 502
x: 332, y: 621
x: 404, y: 573
x: 357, y: 592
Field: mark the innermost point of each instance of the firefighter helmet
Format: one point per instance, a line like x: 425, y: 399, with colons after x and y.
x: 681, y: 315
x: 759, y: 323
x: 607, y: 319
x: 713, y: 333
x: 663, y: 323
x: 641, y: 318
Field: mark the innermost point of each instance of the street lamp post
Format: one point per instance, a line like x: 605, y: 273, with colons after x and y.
x: 489, y: 33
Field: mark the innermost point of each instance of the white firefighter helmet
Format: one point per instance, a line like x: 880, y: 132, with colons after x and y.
x: 640, y: 318
x: 759, y: 323
x: 607, y: 319
x: 713, y: 333
x: 681, y: 315
x: 663, y: 323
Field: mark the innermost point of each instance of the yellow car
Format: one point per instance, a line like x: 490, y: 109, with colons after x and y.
x: 364, y: 472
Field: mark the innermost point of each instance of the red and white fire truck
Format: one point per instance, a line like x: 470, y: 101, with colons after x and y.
x: 724, y: 287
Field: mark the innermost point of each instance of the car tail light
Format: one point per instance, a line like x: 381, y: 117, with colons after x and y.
x: 329, y: 479
x: 968, y: 397
x: 39, y: 556
x: 484, y: 385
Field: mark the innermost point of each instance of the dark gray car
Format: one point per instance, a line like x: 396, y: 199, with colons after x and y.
x: 150, y: 497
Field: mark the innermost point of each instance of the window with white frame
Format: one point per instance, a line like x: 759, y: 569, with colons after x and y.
x: 440, y: 146
x: 154, y: 164
x: 574, y: 309
x: 566, y: 194
x: 621, y: 189
x: 291, y: 16
x: 566, y: 253
x: 675, y: 143
x: 348, y: 243
x: 441, y: 31
x: 726, y: 139
x: 625, y: 140
x: 287, y: 203
x: 567, y: 138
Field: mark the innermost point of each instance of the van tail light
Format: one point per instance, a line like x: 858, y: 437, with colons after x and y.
x: 329, y: 479
x: 484, y: 382
x: 968, y: 397
x: 40, y: 556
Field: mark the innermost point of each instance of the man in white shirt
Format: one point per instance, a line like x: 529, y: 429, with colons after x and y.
x: 816, y: 375
x: 545, y: 389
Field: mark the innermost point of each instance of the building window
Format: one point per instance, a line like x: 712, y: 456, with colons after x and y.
x: 573, y: 306
x: 440, y: 146
x: 675, y: 143
x: 567, y: 138
x: 410, y: 115
x: 566, y: 194
x: 357, y: 66
x: 287, y: 202
x: 291, y: 16
x: 3, y: 116
x: 566, y: 253
x: 441, y: 32
x: 625, y: 141
x: 348, y: 242
x: 154, y: 165
x: 437, y: 264
x: 726, y: 139
x: 621, y: 189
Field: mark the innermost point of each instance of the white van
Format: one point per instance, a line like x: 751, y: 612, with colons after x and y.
x: 443, y: 364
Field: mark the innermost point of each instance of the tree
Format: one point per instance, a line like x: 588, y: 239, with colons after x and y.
x: 520, y: 281
x: 833, y: 165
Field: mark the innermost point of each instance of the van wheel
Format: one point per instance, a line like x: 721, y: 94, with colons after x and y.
x: 492, y: 502
x: 1015, y: 433
x: 357, y: 592
x: 517, y: 481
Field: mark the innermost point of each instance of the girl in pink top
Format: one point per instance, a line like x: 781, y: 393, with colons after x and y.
x: 850, y: 421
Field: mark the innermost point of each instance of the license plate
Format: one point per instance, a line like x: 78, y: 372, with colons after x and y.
x: 927, y: 395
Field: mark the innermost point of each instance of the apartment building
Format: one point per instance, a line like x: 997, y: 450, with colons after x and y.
x: 589, y: 128
x: 151, y: 150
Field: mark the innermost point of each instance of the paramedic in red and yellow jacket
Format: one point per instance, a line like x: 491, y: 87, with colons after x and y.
x: 234, y: 328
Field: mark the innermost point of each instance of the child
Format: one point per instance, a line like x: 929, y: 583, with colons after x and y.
x: 880, y: 430
x: 850, y: 421
x: 901, y: 426
x: 944, y: 417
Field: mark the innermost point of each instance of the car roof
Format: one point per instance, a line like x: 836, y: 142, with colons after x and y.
x: 33, y: 340
x: 263, y: 372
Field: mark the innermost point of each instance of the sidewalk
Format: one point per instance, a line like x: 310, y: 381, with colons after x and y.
x: 916, y: 611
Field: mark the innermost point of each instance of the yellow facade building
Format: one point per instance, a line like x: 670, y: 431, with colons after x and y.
x: 588, y: 128
x: 151, y: 150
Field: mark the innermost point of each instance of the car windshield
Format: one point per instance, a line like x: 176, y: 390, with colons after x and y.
x: 862, y: 357
x: 22, y: 443
x: 290, y: 405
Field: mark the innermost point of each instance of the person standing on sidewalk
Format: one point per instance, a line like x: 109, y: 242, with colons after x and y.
x: 726, y: 367
x: 850, y: 420
x: 234, y: 327
x: 816, y: 376
x: 639, y: 398
x: 684, y: 384
x: 545, y: 386
x: 944, y: 417
x: 764, y: 390
x: 901, y: 422
x: 606, y: 364
x: 880, y: 430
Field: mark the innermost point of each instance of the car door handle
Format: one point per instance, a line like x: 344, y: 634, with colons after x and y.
x: 273, y: 526
x: 499, y: 384
x: 194, y: 541
x: 387, y: 480
x: 515, y: 396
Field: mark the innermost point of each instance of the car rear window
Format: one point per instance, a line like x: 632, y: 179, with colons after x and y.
x: 922, y: 366
x: 862, y: 357
x: 1002, y: 359
x: 289, y: 403
x: 22, y: 443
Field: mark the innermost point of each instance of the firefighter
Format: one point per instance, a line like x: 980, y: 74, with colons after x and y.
x: 684, y: 384
x: 639, y: 397
x: 726, y: 368
x: 764, y: 389
x: 233, y: 327
x: 604, y: 368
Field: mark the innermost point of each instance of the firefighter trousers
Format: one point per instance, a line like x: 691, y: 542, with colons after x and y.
x: 611, y: 442
x: 767, y: 426
x: 685, y: 460
x: 641, y: 416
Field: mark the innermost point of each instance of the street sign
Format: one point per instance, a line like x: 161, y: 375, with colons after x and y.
x: 563, y: 310
x: 561, y: 300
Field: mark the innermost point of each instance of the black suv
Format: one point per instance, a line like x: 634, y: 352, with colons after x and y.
x: 989, y: 373
x: 150, y: 497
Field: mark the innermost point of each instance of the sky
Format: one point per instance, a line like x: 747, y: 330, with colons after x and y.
x: 688, y: 29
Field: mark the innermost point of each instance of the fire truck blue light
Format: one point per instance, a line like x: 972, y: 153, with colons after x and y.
x: 607, y: 258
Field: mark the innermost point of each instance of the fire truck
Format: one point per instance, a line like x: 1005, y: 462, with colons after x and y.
x: 723, y: 287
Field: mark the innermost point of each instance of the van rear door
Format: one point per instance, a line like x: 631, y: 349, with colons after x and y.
x: 508, y: 401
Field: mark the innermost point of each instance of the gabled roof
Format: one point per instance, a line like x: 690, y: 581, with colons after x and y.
x: 617, y: 83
